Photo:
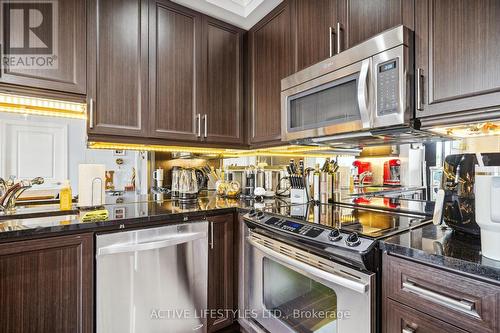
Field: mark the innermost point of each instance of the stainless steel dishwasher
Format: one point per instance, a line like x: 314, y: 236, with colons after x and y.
x: 152, y: 280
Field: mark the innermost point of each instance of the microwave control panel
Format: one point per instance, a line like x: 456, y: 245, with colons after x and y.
x: 388, y: 87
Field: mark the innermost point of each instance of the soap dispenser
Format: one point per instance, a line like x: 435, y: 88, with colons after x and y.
x: 66, y: 196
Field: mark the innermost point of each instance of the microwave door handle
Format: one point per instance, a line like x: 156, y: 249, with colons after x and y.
x: 345, y: 282
x: 363, y: 101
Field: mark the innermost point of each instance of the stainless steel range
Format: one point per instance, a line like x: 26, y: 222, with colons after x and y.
x: 314, y: 269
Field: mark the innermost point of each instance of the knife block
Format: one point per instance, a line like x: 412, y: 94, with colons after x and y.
x: 298, y: 196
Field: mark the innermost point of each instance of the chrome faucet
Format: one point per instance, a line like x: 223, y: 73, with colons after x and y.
x: 363, y: 176
x: 11, y: 190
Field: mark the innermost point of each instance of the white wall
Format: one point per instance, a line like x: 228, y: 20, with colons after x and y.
x: 75, y: 151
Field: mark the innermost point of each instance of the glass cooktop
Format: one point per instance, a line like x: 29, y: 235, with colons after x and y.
x: 402, y: 205
x: 367, y: 222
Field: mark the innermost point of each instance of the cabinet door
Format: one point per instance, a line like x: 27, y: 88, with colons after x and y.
x: 459, y: 56
x: 223, y: 83
x: 46, y: 285
x: 117, y: 62
x: 271, y: 59
x: 60, y: 46
x: 221, y: 270
x: 400, y: 318
x: 315, y: 22
x: 362, y: 19
x: 466, y: 302
x: 175, y: 60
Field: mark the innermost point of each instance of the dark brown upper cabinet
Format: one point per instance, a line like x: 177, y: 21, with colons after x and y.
x: 175, y: 61
x: 195, y: 77
x: 46, y: 285
x: 457, y: 54
x: 315, y: 31
x: 68, y: 33
x: 222, y: 118
x: 271, y: 58
x: 117, y: 63
x: 362, y: 19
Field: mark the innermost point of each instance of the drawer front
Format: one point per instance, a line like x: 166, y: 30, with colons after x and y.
x: 470, y: 304
x: 402, y: 319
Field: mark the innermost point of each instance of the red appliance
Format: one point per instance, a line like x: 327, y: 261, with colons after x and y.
x: 391, y: 203
x: 392, y: 172
x: 361, y: 167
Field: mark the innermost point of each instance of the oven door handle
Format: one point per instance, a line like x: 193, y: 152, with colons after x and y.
x: 363, y: 98
x: 332, y: 277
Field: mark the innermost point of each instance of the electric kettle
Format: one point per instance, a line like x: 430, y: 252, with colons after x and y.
x: 188, y: 184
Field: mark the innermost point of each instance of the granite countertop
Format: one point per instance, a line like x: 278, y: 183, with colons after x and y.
x: 429, y: 244
x: 124, y: 213
x: 444, y: 247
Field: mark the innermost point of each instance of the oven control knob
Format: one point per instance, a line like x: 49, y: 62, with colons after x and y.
x: 252, y: 213
x: 353, y: 240
x: 260, y: 215
x: 334, y: 235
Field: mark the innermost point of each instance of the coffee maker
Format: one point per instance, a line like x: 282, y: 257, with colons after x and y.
x: 459, y: 208
x: 392, y: 172
x: 362, y: 167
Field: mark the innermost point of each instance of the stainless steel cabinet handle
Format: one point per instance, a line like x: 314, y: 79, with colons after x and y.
x: 91, y: 113
x: 339, y: 46
x: 408, y: 330
x: 330, y: 39
x: 205, y: 117
x: 420, y: 76
x: 176, y: 239
x: 454, y: 304
x: 211, y: 235
x: 198, y: 119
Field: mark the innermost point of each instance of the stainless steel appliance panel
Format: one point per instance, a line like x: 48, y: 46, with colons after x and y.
x: 392, y: 75
x: 352, y: 94
x: 143, y: 276
x: 284, y: 286
x: 330, y: 104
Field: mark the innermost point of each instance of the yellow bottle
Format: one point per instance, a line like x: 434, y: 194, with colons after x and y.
x: 66, y: 196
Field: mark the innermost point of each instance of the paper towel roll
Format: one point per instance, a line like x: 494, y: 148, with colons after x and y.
x: 91, y: 181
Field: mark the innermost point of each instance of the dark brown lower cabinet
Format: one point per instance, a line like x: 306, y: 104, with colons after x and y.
x: 46, y: 285
x: 401, y: 318
x: 221, y: 272
x: 421, y: 298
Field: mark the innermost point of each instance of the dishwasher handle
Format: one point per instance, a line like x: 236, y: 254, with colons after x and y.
x: 155, y: 244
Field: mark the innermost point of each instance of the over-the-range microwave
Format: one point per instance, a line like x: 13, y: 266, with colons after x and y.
x: 362, y: 96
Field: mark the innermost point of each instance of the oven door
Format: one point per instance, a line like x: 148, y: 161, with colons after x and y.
x: 337, y: 102
x: 290, y: 290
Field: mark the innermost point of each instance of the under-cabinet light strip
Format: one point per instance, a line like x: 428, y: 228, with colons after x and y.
x: 489, y: 128
x: 42, y: 107
x: 284, y: 151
